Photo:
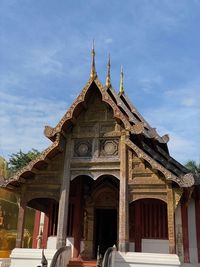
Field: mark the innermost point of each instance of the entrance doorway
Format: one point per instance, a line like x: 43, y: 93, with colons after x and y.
x: 105, y: 230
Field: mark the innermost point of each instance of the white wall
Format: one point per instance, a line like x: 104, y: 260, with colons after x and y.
x: 51, y: 242
x: 155, y: 246
x: 152, y: 246
x: 192, y: 232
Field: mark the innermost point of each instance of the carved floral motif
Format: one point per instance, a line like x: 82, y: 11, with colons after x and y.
x: 82, y: 148
x: 108, y: 147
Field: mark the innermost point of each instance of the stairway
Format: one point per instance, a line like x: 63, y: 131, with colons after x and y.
x: 82, y: 263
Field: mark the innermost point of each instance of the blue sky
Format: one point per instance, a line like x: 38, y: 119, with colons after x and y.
x: 45, y: 58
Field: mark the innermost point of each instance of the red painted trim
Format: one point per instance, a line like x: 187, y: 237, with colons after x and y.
x: 36, y: 228
x: 197, y: 211
x: 184, y: 216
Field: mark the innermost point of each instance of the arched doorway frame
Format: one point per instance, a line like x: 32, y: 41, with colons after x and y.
x: 103, y: 185
x: 148, y: 222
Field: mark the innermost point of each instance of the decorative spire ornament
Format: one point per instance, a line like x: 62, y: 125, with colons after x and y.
x: 93, y: 73
x: 121, y: 88
x: 108, y: 80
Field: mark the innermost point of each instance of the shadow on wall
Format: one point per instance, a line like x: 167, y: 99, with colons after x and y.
x: 8, y: 223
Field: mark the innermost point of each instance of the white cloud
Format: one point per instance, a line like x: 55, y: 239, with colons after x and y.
x: 108, y: 40
x: 182, y: 123
x: 44, y: 60
x: 22, y: 122
x: 189, y: 102
x: 183, y: 148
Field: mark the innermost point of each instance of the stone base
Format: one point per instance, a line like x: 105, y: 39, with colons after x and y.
x: 26, y: 257
x: 134, y: 259
x: 190, y: 265
x: 4, y: 262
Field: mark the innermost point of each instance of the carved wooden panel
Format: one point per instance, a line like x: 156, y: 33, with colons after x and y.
x: 108, y: 147
x: 83, y: 148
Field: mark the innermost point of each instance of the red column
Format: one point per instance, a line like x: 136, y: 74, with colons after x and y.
x: 197, y: 211
x: 36, y: 228
x: 184, y: 216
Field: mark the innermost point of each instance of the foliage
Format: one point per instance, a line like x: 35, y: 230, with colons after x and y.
x: 193, y: 166
x: 20, y: 159
x: 3, y: 167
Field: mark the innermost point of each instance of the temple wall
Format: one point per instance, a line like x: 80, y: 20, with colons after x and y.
x: 155, y: 246
x: 152, y: 246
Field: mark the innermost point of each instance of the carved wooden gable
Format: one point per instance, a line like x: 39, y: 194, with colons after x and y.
x: 143, y: 182
x: 96, y: 132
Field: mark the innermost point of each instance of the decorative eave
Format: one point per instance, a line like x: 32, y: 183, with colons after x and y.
x: 139, y: 127
x: 69, y: 115
x: 184, y: 180
x: 31, y: 168
x: 151, y: 132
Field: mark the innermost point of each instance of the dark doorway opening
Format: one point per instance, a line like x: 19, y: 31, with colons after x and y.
x: 105, y: 230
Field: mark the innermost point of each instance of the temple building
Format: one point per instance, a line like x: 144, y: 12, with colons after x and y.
x: 108, y: 179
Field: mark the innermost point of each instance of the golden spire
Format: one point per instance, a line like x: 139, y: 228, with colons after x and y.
x: 108, y: 81
x: 93, y: 73
x: 121, y: 88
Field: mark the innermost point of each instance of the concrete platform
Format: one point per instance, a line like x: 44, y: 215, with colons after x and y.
x: 134, y: 259
x: 26, y: 257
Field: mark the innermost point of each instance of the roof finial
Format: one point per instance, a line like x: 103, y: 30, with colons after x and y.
x: 108, y: 80
x: 93, y: 73
x: 121, y: 88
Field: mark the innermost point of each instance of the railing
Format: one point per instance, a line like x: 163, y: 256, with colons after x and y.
x: 61, y: 257
x: 43, y: 261
x: 108, y: 257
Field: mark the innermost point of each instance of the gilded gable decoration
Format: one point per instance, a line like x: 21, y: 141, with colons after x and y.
x: 108, y: 79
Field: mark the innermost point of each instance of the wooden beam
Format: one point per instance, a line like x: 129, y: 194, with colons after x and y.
x: 184, y: 216
x: 171, y: 222
x: 20, y: 224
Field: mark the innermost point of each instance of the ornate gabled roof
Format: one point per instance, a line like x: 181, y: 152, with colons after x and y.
x: 144, y: 139
x: 28, y: 171
x: 68, y: 118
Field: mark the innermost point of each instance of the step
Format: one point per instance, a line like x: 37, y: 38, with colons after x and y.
x: 75, y: 263
x: 78, y: 263
x: 89, y: 263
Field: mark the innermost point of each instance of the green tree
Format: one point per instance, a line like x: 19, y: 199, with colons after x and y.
x: 20, y: 159
x: 193, y: 166
x: 3, y: 167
